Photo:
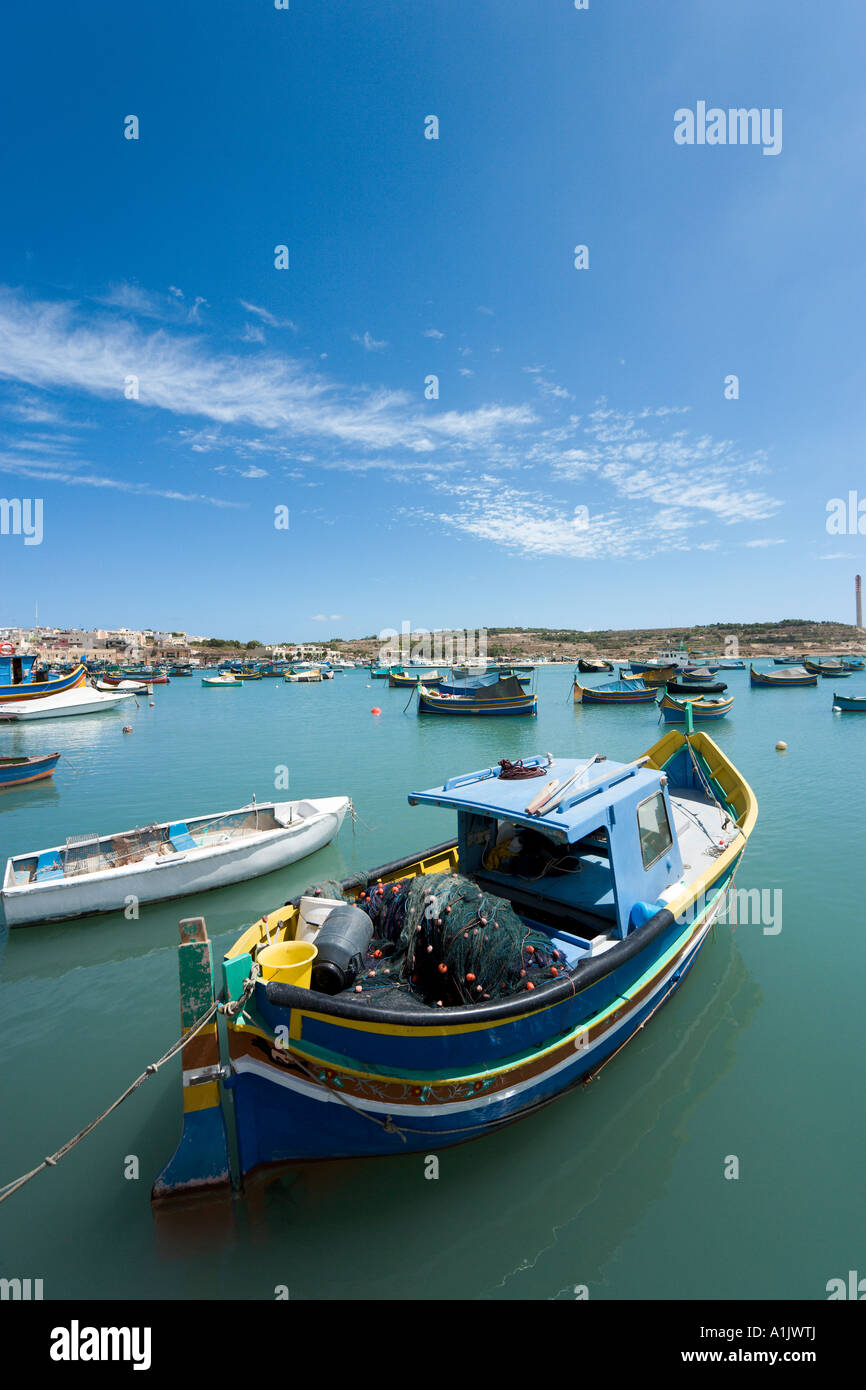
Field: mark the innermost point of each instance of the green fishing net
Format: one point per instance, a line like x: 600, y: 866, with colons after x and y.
x: 449, y: 943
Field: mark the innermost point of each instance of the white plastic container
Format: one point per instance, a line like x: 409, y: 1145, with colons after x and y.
x: 312, y: 915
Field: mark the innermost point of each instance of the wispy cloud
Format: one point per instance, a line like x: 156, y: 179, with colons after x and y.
x: 266, y: 316
x: 433, y: 333
x: 53, y: 345
x: 72, y: 478
x: 368, y: 342
x: 172, y: 307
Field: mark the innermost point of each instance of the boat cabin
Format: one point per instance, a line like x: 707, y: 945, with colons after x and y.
x: 20, y: 670
x: 599, y: 859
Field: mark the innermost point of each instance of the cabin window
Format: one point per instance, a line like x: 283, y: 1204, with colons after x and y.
x: 654, y: 829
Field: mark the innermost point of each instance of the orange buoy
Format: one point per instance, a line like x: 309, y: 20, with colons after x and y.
x: 443, y: 968
x: 375, y: 710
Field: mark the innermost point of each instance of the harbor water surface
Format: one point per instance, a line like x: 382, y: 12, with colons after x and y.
x: 619, y: 1188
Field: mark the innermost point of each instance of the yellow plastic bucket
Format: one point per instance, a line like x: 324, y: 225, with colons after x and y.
x: 290, y: 962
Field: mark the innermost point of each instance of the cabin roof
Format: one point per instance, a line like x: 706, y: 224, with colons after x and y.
x: 600, y: 786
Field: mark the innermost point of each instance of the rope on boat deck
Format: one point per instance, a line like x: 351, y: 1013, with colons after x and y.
x: 230, y: 1009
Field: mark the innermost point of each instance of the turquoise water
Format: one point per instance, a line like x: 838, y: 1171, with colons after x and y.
x: 619, y: 1186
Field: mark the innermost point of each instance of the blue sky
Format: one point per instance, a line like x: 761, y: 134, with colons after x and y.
x: 558, y: 388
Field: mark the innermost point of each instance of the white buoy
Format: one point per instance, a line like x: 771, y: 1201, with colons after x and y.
x: 781, y: 746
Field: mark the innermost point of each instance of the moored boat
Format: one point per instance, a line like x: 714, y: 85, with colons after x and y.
x: 15, y: 772
x: 124, y: 686
x: 398, y: 677
x: 701, y: 685
x: 591, y: 665
x: 93, y: 874
x: 621, y: 692
x: 853, y: 704
x: 224, y: 678
x: 651, y: 677
x: 502, y: 697
x: 309, y: 676
x: 702, y: 706
x: 826, y: 669
x: 791, y: 677
x: 81, y: 700
x: 523, y: 956
x: 21, y: 678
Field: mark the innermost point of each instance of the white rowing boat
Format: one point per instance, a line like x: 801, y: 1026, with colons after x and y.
x: 91, y: 874
x: 82, y: 700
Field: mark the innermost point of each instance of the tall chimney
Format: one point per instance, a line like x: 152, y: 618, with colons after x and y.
x: 858, y: 600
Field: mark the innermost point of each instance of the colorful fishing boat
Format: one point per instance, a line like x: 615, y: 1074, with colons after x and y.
x: 308, y: 676
x: 224, y: 678
x: 790, y: 678
x: 853, y: 704
x: 21, y: 678
x: 400, y: 678
x: 826, y: 669
x: 15, y: 772
x: 468, y: 684
x: 82, y: 700
x: 380, y: 673
x: 245, y: 674
x: 702, y: 707
x: 502, y: 697
x: 522, y: 958
x: 129, y: 687
x: 92, y: 874
x: 621, y: 692
x: 651, y: 677
x: 787, y: 660
x: 702, y: 684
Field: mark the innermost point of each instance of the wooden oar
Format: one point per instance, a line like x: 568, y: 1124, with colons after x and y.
x: 550, y: 803
x: 543, y: 796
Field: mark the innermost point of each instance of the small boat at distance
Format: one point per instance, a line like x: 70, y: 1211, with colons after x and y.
x: 124, y: 686
x: 702, y: 707
x: 593, y: 665
x: 310, y: 676
x: 826, y: 669
x: 502, y: 697
x: 791, y: 677
x: 92, y: 874
x: 15, y: 772
x: 700, y: 685
x: 224, y: 678
x: 658, y: 677
x: 622, y: 692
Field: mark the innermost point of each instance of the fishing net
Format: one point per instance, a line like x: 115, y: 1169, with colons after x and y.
x: 450, y: 943
x: 328, y: 888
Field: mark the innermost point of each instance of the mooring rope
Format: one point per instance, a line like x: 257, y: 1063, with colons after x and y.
x: 229, y: 1009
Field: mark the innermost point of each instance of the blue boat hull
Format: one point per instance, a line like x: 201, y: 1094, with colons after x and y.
x: 18, y: 772
x: 342, y: 1105
x: 850, y: 703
